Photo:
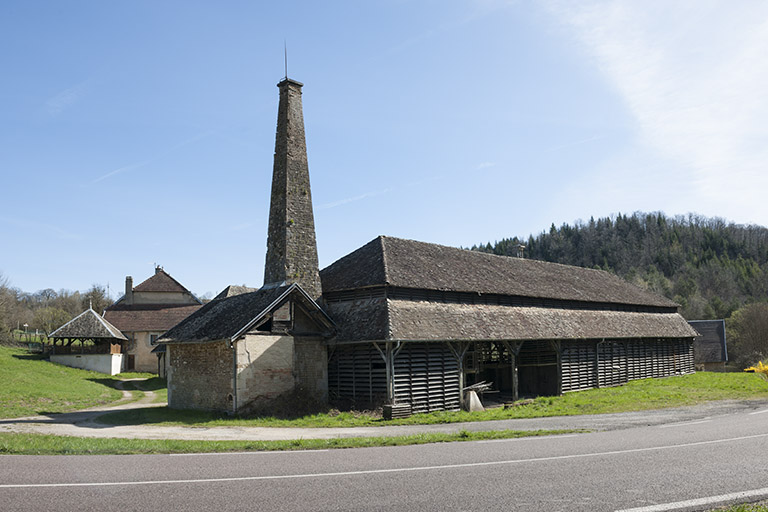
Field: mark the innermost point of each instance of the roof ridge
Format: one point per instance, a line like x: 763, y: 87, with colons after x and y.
x: 384, y: 264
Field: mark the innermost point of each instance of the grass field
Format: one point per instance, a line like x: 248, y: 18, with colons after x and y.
x: 636, y: 395
x: 31, y: 385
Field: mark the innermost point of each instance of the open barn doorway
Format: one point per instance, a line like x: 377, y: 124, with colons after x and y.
x: 491, y: 362
x: 537, y: 367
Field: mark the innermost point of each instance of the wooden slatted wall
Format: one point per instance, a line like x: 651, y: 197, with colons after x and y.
x: 427, y: 377
x: 357, y: 373
x: 578, y: 360
x: 617, y: 362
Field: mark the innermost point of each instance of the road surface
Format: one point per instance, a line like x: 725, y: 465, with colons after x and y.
x: 691, y: 465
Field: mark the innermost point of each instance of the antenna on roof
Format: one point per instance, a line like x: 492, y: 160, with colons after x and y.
x: 285, y: 50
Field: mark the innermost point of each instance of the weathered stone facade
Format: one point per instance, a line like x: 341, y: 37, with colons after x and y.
x: 264, y: 369
x: 200, y: 376
x: 291, y: 244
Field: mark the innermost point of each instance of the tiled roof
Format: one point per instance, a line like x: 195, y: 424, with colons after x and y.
x: 418, y: 265
x: 222, y: 318
x: 148, y: 317
x: 88, y: 325
x: 160, y: 282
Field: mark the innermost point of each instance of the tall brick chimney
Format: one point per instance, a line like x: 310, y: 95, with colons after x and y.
x: 128, y: 290
x: 291, y: 245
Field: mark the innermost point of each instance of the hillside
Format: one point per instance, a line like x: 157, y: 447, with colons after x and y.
x: 710, y: 267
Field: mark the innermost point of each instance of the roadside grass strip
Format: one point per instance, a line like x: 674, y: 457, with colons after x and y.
x: 36, y: 444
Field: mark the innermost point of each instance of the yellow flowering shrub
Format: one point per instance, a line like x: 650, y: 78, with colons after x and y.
x: 761, y: 368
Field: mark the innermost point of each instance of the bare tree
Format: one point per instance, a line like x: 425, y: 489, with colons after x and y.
x: 748, y: 334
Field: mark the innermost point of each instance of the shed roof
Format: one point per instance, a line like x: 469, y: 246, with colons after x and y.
x: 411, y: 264
x: 88, y: 325
x: 393, y: 320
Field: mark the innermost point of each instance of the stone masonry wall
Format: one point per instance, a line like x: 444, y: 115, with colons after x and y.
x: 311, y: 368
x: 264, y: 369
x: 291, y: 244
x: 200, y: 376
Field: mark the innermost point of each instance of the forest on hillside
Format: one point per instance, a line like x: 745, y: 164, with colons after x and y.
x: 712, y: 268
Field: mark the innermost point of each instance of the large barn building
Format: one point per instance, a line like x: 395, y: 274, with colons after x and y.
x: 407, y: 323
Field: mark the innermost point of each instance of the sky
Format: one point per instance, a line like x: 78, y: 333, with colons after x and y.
x: 135, y: 134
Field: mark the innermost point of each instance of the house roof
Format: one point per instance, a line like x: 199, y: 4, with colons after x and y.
x: 229, y: 317
x: 232, y: 290
x: 407, y: 320
x: 148, y: 317
x: 419, y: 265
x: 161, y: 282
x: 710, y: 344
x: 88, y: 325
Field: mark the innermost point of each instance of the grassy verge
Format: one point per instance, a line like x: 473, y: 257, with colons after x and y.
x: 753, y: 507
x: 634, y: 396
x: 34, y: 444
x: 32, y: 385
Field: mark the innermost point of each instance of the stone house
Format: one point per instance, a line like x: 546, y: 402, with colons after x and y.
x: 145, y: 312
x: 407, y: 323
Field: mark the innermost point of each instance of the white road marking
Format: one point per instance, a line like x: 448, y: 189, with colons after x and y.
x: 529, y: 438
x: 246, y: 453
x: 711, y: 500
x: 673, y: 425
x: 758, y: 412
x: 382, y: 471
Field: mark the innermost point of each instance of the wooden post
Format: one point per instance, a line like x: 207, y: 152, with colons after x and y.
x: 558, y: 351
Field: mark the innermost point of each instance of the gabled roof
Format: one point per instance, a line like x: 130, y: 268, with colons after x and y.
x: 148, y: 317
x: 161, y: 282
x: 419, y: 265
x: 227, y: 318
x: 88, y: 325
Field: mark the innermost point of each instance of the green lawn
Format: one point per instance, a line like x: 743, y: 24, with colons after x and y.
x: 31, y: 385
x: 636, y: 395
x: 35, y: 444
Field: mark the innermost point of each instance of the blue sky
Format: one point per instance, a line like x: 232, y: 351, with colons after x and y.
x: 141, y: 133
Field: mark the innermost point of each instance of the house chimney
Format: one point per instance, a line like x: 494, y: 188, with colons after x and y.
x: 291, y: 245
x: 158, y: 269
x: 128, y: 290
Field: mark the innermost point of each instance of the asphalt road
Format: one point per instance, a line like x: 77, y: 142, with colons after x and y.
x: 610, y: 470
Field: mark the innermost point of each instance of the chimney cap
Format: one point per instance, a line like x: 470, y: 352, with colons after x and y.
x: 289, y: 81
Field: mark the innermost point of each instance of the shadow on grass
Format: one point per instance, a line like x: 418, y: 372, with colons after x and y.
x: 30, y: 357
x: 110, y: 383
x: 156, y: 415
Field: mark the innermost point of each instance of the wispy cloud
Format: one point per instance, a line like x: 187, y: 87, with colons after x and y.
x: 485, y: 165
x: 68, y: 97
x: 692, y: 74
x: 348, y: 200
x: 40, y: 230
x: 142, y: 163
